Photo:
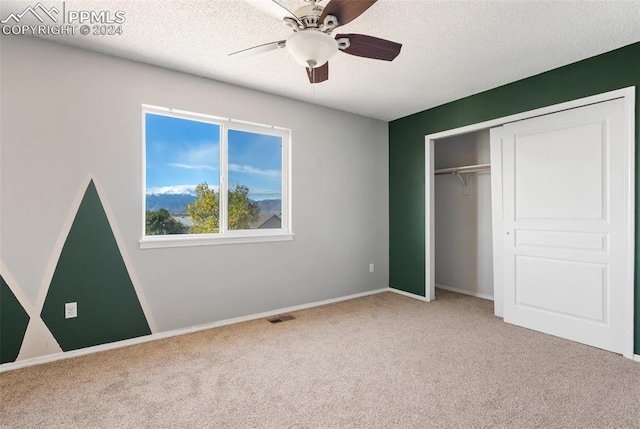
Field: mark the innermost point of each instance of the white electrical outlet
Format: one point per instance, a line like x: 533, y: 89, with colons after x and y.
x: 370, y: 268
x: 70, y: 310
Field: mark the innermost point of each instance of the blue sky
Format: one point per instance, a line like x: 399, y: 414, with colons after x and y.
x: 181, y: 154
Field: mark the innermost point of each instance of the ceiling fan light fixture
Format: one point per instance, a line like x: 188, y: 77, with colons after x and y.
x: 311, y: 48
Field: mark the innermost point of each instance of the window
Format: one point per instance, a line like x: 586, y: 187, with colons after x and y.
x: 211, y: 180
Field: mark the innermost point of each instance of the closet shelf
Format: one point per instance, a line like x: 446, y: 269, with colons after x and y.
x: 480, y: 168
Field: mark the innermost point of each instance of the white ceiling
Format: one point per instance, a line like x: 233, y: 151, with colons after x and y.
x: 451, y: 49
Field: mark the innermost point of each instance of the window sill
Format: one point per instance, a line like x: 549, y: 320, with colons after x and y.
x: 164, y: 241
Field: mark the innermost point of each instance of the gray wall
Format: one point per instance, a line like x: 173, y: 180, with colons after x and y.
x: 68, y: 114
x: 463, y: 238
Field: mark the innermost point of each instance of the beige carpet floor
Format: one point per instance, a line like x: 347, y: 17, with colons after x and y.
x: 383, y: 361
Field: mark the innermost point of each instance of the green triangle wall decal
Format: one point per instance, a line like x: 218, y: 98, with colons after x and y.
x: 13, y: 324
x: 91, y: 272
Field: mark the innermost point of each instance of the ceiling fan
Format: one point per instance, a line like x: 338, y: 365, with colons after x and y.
x: 312, y: 44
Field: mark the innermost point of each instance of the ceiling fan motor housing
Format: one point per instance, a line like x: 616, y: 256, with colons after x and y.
x: 309, y: 15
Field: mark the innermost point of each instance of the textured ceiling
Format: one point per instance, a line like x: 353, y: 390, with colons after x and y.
x: 451, y: 49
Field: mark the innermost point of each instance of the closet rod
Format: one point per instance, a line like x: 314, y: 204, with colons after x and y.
x: 480, y: 168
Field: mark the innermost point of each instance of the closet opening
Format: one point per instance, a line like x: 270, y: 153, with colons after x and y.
x: 535, y: 242
x: 463, y: 249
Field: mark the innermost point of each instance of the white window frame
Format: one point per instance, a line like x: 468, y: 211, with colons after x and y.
x: 225, y: 236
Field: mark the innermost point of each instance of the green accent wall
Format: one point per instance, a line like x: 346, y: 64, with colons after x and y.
x: 92, y: 273
x: 607, y: 72
x: 13, y: 324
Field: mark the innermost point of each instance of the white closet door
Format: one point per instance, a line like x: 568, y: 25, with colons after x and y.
x: 566, y: 224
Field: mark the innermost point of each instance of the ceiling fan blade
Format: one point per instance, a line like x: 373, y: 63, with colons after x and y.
x: 346, y: 10
x: 265, y: 47
x: 273, y: 8
x: 370, y: 47
x: 318, y: 74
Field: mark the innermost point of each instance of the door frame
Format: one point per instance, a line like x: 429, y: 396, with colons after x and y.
x: 628, y: 95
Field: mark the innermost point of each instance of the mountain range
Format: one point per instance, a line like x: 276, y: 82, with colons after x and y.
x: 177, y: 203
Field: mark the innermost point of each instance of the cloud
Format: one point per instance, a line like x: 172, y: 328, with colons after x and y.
x: 203, y: 155
x: 192, y: 166
x: 203, y: 152
x: 247, y: 169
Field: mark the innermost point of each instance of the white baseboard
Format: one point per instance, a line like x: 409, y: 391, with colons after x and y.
x: 181, y: 331
x: 409, y: 294
x: 465, y: 292
x: 636, y: 358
